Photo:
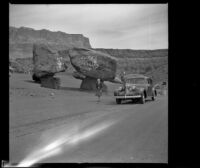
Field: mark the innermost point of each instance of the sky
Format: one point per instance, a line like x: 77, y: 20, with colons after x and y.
x: 117, y: 26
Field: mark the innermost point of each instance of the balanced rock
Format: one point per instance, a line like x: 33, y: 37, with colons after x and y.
x: 46, y: 60
x: 93, y: 64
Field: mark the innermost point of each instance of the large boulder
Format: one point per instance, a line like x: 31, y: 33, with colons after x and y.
x: 46, y: 60
x: 93, y: 64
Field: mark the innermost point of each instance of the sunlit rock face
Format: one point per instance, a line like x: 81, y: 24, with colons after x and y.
x: 93, y: 64
x: 46, y: 60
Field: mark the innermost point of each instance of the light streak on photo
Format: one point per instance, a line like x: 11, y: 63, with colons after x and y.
x: 64, y: 142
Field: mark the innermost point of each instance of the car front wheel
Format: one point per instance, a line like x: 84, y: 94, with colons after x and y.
x: 118, y: 101
x: 142, y: 99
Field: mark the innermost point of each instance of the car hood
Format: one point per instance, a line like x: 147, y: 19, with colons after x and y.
x: 137, y: 86
x: 132, y: 87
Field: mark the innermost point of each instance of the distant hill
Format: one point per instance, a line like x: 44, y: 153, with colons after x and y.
x: 21, y: 40
x: 129, y: 53
x: 149, y: 62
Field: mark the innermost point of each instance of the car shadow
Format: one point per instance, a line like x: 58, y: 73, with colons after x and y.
x: 125, y: 102
x: 65, y: 88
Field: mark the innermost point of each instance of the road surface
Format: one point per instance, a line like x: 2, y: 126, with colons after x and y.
x: 78, y: 129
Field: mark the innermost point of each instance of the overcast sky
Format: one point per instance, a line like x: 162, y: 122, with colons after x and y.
x: 123, y: 26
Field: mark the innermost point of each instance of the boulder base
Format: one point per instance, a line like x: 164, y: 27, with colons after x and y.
x: 50, y: 82
x: 36, y: 79
x: 90, y: 84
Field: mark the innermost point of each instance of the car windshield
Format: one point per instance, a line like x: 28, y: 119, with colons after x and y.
x: 136, y: 81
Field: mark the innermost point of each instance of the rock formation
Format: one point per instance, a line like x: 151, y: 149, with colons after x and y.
x: 46, y: 61
x: 93, y: 64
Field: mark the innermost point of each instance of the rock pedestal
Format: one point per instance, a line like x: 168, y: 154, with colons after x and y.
x: 50, y: 82
x: 36, y: 79
x: 90, y: 84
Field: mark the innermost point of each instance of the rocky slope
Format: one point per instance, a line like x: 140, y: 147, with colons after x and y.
x: 21, y: 40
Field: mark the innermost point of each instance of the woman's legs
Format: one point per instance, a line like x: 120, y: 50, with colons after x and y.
x: 99, y: 94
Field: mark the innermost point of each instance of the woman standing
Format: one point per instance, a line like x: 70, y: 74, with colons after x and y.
x: 99, y: 86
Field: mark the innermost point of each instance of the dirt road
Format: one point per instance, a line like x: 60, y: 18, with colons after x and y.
x: 68, y: 125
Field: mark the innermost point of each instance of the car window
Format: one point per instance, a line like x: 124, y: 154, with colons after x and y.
x: 150, y: 81
x: 137, y: 81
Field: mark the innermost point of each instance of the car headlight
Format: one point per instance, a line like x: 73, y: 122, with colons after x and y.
x: 140, y: 89
x: 120, y: 88
x: 133, y: 87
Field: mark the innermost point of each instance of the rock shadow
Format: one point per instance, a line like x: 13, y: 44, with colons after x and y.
x: 74, y: 89
x: 31, y: 81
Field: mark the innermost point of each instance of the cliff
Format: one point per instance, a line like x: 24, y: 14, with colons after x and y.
x: 21, y: 40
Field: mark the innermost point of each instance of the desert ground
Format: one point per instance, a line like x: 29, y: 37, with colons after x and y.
x: 69, y: 125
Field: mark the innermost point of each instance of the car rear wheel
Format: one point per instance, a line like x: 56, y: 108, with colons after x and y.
x: 153, y: 96
x: 142, y: 99
x: 118, y: 101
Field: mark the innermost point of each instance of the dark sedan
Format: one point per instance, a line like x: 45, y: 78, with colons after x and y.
x: 136, y: 87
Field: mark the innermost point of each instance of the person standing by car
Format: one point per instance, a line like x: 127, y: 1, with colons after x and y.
x: 99, y: 87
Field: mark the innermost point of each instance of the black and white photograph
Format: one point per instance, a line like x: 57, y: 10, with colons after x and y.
x: 88, y: 83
